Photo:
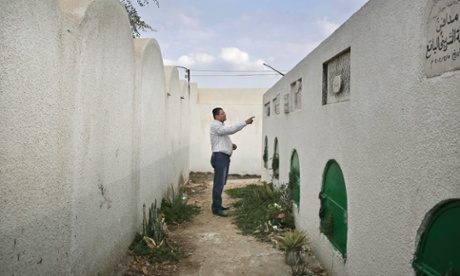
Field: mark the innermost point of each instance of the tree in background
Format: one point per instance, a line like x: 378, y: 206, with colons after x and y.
x: 137, y: 24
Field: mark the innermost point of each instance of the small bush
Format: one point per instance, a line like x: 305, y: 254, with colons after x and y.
x: 294, y: 240
x: 176, y: 210
x: 260, y: 211
x: 155, y: 227
x: 168, y: 252
x: 153, y: 241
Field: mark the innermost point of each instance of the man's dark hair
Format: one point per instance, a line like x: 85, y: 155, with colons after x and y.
x: 216, y: 111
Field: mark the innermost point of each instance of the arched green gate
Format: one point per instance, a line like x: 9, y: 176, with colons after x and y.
x: 294, y: 178
x: 438, y: 251
x: 265, y: 156
x: 276, y: 161
x: 333, y: 211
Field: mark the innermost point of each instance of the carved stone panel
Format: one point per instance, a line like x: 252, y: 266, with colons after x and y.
x: 441, y: 52
x: 336, y: 79
x: 276, y: 104
x: 286, y: 103
x: 296, y: 95
x: 267, y: 109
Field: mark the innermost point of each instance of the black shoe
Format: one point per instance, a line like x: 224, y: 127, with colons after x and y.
x: 224, y: 208
x: 220, y: 214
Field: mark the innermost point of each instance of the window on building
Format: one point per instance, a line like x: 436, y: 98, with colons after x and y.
x: 438, y: 251
x: 333, y: 210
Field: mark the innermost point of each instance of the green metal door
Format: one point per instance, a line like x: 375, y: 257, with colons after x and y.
x: 276, y: 161
x: 294, y: 178
x: 438, y: 251
x: 333, y: 212
x: 265, y: 156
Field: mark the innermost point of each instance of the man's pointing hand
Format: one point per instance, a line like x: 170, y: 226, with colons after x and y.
x: 250, y: 120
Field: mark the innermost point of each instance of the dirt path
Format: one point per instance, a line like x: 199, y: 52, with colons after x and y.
x: 213, y: 243
x: 217, y: 247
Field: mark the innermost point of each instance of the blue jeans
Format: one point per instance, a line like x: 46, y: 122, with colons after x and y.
x: 220, y: 162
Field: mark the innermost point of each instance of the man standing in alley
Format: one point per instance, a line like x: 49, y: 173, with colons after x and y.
x: 222, y: 148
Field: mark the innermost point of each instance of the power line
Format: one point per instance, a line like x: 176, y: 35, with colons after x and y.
x: 235, y: 75
x: 247, y: 71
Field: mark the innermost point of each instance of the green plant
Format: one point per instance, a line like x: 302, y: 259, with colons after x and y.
x: 298, y: 267
x: 153, y: 230
x: 292, y: 243
x: 294, y: 240
x: 176, y: 209
x: 260, y: 211
x: 137, y: 24
x: 168, y: 252
x: 153, y: 242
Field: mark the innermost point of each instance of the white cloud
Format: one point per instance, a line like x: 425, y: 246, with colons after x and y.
x: 327, y: 27
x: 188, y: 21
x: 185, y: 61
x: 240, y: 60
x: 205, y: 58
x: 234, y: 55
x: 169, y: 62
x: 230, y: 58
x: 191, y: 60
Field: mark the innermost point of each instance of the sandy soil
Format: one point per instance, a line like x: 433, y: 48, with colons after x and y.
x: 214, y: 244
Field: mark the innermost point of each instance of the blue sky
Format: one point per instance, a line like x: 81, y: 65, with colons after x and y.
x: 234, y: 38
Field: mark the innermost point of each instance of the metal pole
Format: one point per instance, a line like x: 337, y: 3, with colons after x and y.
x: 274, y: 69
x: 187, y: 71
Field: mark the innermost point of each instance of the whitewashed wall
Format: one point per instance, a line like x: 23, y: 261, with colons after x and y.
x: 84, y: 117
x: 239, y: 105
x: 396, y: 139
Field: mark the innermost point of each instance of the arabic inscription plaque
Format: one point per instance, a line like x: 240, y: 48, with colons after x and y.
x: 336, y: 78
x: 442, y: 37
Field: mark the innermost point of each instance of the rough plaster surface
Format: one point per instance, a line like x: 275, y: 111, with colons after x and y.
x: 239, y: 105
x: 84, y: 121
x: 396, y: 139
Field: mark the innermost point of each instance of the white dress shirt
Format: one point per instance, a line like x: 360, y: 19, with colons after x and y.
x: 220, y: 140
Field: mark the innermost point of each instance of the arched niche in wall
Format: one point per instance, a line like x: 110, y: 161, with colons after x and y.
x: 438, y: 251
x: 333, y: 210
x: 265, y: 156
x: 294, y: 178
x: 276, y: 161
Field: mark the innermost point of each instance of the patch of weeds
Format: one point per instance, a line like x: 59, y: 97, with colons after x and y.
x: 261, y: 211
x: 176, y: 210
x: 153, y: 242
x: 167, y: 252
x: 154, y: 229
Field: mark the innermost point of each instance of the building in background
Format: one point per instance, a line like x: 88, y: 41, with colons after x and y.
x: 239, y: 105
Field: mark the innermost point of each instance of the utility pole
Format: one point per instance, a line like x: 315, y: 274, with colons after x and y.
x: 187, y: 76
